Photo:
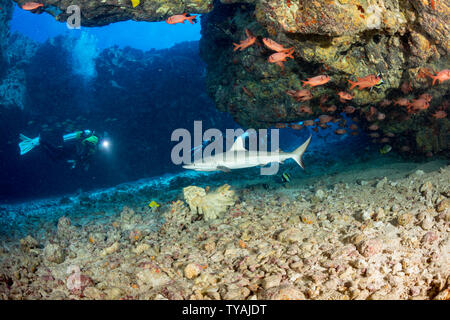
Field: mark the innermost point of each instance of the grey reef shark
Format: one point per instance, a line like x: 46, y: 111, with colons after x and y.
x: 238, y: 158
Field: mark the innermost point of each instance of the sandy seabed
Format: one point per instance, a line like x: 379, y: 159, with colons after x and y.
x: 371, y: 232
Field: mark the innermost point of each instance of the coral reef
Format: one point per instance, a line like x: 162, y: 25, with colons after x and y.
x: 403, y: 41
x: 212, y: 204
x: 337, y: 38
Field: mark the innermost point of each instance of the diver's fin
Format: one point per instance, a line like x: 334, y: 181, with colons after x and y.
x: 298, y: 153
x: 238, y: 145
x: 224, y: 169
x: 27, y: 144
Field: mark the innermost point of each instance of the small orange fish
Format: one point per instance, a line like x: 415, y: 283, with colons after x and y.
x: 248, y: 92
x: 308, y: 123
x: 390, y: 134
x: 331, y: 108
x: 181, y: 18
x: 441, y: 76
x: 296, y: 126
x: 300, y: 95
x: 244, y: 44
x: 440, y: 114
x: 365, y: 82
x: 385, y: 103
x: 323, y: 99
x: 402, y: 102
x: 406, y: 87
x: 272, y: 45
x: 370, y: 113
x: 325, y: 118
x: 280, y: 57
x: 417, y: 105
x: 426, y: 96
x: 433, y: 5
x: 305, y: 109
x: 349, y: 109
x: 31, y: 6
x: 316, y: 81
x: 344, y: 96
x: 425, y: 72
x: 340, y: 131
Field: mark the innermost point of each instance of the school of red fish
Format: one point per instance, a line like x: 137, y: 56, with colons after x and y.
x: 414, y: 106
x: 281, y: 54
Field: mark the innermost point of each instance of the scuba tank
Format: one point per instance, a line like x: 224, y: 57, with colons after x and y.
x: 77, y: 135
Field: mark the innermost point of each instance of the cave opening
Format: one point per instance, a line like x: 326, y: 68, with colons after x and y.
x: 132, y: 80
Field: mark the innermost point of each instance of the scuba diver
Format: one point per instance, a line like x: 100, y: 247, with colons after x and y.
x: 76, y: 148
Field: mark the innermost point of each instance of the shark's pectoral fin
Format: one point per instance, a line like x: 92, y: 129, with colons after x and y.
x: 223, y: 169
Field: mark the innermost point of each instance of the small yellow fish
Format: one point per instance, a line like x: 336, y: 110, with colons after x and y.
x: 135, y: 3
x: 386, y: 148
x: 153, y: 204
x: 285, y: 177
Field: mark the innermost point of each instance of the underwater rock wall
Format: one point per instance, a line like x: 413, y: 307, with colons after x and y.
x: 5, y: 16
x: 404, y: 41
x: 15, y: 52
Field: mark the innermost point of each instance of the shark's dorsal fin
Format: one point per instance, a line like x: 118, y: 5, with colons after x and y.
x: 238, y: 145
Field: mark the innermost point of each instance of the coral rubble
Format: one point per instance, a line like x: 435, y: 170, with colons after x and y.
x: 358, y: 236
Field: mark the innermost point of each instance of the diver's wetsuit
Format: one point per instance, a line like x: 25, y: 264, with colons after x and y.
x: 79, y: 150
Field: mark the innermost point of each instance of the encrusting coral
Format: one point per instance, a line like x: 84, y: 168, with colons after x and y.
x: 210, y: 205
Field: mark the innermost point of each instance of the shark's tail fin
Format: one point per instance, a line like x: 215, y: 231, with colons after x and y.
x: 298, y: 153
x: 27, y: 144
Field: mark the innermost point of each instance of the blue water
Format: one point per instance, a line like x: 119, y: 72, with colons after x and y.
x: 146, y: 93
x: 139, y: 35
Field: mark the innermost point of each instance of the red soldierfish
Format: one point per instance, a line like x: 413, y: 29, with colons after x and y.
x: 366, y: 82
x: 316, y: 81
x: 441, y: 76
x: 280, y: 57
x: 245, y: 43
x: 272, y: 45
x: 31, y: 6
x: 181, y: 18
